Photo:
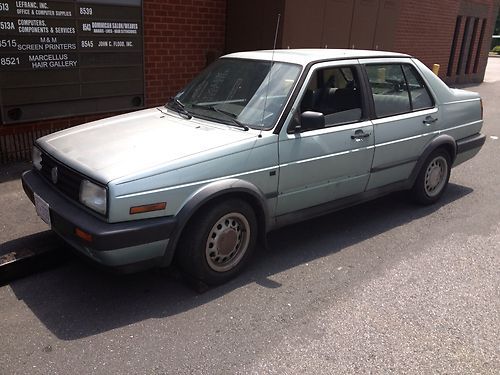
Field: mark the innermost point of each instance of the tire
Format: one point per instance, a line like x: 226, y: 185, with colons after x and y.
x: 433, y: 178
x: 216, y: 245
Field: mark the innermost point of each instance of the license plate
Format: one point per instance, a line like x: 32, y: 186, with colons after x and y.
x: 42, y: 209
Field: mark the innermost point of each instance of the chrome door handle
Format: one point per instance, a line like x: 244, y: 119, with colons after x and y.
x: 429, y: 120
x: 359, y: 134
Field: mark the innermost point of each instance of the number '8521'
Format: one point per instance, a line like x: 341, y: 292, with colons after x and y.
x: 9, y: 61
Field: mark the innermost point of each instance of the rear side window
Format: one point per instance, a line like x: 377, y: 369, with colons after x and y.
x: 397, y: 89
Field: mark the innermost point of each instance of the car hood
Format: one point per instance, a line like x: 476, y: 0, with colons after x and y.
x: 128, y: 144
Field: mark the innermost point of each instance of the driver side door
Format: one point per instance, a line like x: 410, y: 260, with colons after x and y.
x: 332, y: 159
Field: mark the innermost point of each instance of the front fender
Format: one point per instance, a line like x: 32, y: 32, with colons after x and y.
x: 211, y: 192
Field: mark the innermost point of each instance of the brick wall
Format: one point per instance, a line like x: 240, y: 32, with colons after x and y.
x: 180, y: 36
x: 425, y: 29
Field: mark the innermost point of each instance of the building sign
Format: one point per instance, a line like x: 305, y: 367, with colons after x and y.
x: 69, y: 57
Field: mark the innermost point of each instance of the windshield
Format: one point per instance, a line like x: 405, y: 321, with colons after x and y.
x: 240, y: 92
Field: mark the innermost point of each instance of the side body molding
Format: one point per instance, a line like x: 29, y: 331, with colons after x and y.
x: 211, y: 192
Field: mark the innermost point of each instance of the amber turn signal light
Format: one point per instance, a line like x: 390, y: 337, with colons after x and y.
x: 148, y: 208
x: 83, y: 235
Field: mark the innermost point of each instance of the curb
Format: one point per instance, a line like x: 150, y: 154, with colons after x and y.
x: 29, y: 255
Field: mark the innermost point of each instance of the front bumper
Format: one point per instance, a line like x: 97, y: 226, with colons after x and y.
x: 130, y: 244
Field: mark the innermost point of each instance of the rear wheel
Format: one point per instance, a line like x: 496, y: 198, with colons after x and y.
x: 217, y: 243
x: 433, y: 178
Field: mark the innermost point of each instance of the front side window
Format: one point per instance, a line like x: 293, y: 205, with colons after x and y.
x: 334, y: 93
x: 252, y: 92
x: 397, y: 89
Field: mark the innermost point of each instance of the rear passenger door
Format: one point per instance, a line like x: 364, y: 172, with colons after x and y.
x: 405, y: 118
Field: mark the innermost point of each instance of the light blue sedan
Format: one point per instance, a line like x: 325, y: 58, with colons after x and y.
x: 257, y: 141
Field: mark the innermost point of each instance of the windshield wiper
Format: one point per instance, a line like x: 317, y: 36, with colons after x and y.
x: 180, y: 108
x: 228, y: 114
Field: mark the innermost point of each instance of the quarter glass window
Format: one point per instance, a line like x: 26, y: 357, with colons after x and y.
x: 420, y: 98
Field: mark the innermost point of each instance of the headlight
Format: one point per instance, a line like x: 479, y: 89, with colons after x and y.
x: 36, y: 156
x: 93, y: 196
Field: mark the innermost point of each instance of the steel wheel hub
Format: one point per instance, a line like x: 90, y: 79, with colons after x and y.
x: 435, y: 176
x: 227, y: 242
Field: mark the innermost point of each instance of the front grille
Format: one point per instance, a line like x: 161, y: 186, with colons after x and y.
x: 68, y: 181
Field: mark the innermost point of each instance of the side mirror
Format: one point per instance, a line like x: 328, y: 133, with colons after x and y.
x: 310, y: 120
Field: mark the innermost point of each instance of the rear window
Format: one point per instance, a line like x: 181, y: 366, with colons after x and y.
x: 397, y: 89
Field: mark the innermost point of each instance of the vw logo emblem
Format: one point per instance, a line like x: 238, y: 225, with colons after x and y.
x: 54, y: 174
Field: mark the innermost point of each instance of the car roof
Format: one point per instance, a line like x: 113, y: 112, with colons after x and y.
x: 308, y: 55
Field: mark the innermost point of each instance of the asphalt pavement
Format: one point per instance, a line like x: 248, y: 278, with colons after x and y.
x: 384, y: 287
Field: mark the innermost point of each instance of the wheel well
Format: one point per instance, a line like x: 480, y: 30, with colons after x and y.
x: 445, y: 145
x: 248, y: 198
x: 449, y: 149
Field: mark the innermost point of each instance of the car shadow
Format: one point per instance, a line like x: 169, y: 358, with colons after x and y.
x: 77, y: 300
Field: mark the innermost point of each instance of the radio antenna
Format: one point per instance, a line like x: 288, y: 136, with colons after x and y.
x: 276, y: 32
x: 270, y: 71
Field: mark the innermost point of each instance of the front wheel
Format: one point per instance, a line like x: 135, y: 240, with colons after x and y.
x: 217, y: 243
x: 432, y: 178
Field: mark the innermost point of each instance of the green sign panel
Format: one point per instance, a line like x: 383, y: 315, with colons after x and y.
x: 67, y: 58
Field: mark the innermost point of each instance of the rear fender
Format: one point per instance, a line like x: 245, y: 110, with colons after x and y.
x: 441, y: 141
